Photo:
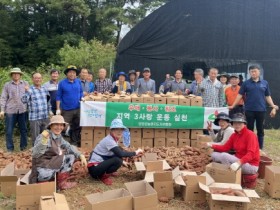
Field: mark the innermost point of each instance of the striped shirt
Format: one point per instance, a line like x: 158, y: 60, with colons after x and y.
x: 212, y: 93
x: 144, y: 86
x: 38, y: 103
x: 11, y: 97
x: 103, y: 86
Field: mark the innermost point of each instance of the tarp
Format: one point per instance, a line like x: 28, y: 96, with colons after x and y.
x: 188, y: 34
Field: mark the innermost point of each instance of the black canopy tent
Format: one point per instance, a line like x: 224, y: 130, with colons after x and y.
x: 187, y: 34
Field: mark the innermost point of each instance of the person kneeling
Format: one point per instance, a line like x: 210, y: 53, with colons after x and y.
x: 51, y: 154
x: 244, y: 142
x: 106, y: 157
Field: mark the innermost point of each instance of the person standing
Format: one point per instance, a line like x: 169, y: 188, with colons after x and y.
x: 195, y: 87
x: 69, y: 95
x: 133, y: 80
x: 91, y: 84
x: 84, y: 82
x: 120, y: 85
x: 257, y: 93
x: 52, y: 87
x: 178, y: 85
x: 146, y: 84
x: 212, y: 90
x: 37, y: 98
x: 14, y: 109
x: 231, y: 93
x: 103, y: 84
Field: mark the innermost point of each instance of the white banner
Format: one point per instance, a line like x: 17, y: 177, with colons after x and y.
x: 93, y: 114
x: 210, y: 114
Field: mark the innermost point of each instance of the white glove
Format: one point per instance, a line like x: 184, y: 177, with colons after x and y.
x: 83, y: 160
x: 209, y: 144
x: 83, y: 99
x: 139, y: 151
x: 125, y: 164
x: 2, y: 115
x: 235, y: 166
x: 58, y: 112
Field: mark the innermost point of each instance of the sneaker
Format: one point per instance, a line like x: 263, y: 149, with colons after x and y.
x: 106, y: 180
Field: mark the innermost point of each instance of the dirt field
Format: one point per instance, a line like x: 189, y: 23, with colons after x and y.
x: 76, y: 200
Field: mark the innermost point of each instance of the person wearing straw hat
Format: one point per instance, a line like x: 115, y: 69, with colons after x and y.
x: 244, y: 142
x: 121, y: 85
x: 106, y: 157
x: 51, y: 154
x: 13, y: 109
x: 224, y: 133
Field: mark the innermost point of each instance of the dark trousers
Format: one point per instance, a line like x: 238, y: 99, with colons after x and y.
x: 258, y: 117
x: 73, y: 118
x: 235, y: 110
x: 107, y: 166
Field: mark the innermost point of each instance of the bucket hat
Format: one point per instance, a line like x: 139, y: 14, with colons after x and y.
x: 239, y: 117
x: 121, y: 73
x: 16, y: 71
x: 221, y: 116
x: 223, y: 74
x: 57, y: 119
x: 71, y: 67
x: 117, y: 123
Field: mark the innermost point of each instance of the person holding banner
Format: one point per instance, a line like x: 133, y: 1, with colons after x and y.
x: 106, y: 157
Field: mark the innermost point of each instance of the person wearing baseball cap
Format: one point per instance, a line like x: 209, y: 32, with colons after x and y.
x: 222, y: 120
x: 106, y: 157
x: 244, y: 142
x: 146, y: 84
x: 51, y: 154
x: 133, y: 80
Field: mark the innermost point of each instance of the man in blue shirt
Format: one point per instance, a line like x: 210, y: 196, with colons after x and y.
x: 52, y: 86
x: 256, y: 93
x: 69, y: 95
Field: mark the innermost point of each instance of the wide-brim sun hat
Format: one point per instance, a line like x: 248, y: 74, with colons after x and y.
x: 117, y: 123
x: 121, y: 74
x: 239, y: 117
x: 57, y: 119
x: 16, y: 71
x: 221, y: 116
x: 73, y: 68
x: 223, y: 74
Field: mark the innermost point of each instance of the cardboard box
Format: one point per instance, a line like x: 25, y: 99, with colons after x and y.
x: 147, y: 143
x: 272, y: 181
x: 56, y: 202
x: 107, y: 131
x: 160, y: 133
x: 201, y: 139
x: 184, y: 142
x: 99, y: 132
x: 159, y: 142
x: 113, y: 99
x: 96, y: 141
x: 87, y: 133
x: 148, y: 133
x: 143, y: 195
x: 102, y: 99
x: 171, y: 133
x: 135, y: 142
x: 220, y: 201
x: 195, y: 132
x: 118, y: 199
x: 87, y: 144
x: 189, y: 183
x: 126, y: 99
x: 222, y: 173
x: 28, y: 195
x: 136, y: 99
x: 136, y: 132
x: 172, y: 100
x: 193, y: 142
x: 184, y: 133
x: 197, y: 101
x: 171, y: 142
x: 148, y: 100
x: 9, y: 177
x: 184, y: 101
x: 160, y: 100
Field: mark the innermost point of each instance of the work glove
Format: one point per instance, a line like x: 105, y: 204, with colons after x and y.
x: 83, y: 99
x: 235, y: 166
x: 58, y: 112
x: 83, y: 160
x: 139, y: 152
x: 51, y: 114
x: 45, y: 137
x: 2, y: 114
x: 125, y: 164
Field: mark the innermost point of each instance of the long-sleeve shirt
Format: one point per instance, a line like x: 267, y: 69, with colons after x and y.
x: 52, y: 88
x: 245, y: 145
x: 39, y: 149
x: 212, y: 93
x: 102, y: 86
x: 195, y: 88
x: 173, y: 86
x: 86, y: 86
x: 11, y: 97
x: 38, y: 104
x: 69, y: 94
x: 144, y: 86
x: 224, y: 135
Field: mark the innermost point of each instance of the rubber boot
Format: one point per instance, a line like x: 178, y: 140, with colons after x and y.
x: 106, y: 180
x: 63, y: 183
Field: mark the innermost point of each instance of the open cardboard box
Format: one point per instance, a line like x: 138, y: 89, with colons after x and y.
x: 28, y: 195
x: 9, y: 177
x: 220, y: 201
x: 118, y: 199
x: 56, y: 202
x: 272, y: 181
x: 189, y: 182
x: 222, y: 173
x: 143, y: 195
